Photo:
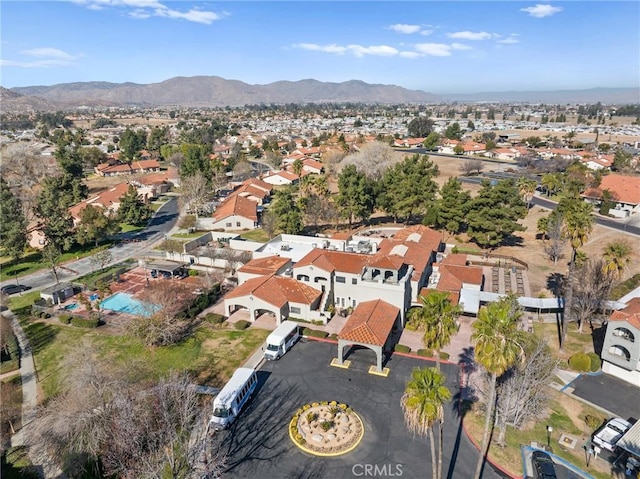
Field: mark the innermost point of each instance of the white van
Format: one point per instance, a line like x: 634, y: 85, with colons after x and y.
x: 281, y: 340
x: 234, y: 395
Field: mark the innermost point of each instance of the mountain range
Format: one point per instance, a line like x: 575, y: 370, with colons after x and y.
x: 213, y: 91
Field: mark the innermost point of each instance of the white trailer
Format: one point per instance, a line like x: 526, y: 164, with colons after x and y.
x: 234, y: 395
x: 281, y: 340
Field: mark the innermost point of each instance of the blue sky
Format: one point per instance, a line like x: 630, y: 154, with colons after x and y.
x: 439, y: 47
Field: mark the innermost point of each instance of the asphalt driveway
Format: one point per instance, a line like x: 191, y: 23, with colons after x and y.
x: 611, y: 393
x: 258, y: 444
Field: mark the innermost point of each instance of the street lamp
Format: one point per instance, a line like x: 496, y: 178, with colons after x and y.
x: 549, y: 431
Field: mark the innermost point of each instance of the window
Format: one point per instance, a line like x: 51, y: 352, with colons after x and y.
x: 228, y: 225
x: 354, y: 280
x: 624, y: 333
x: 294, y: 310
x: 340, y: 279
x: 620, y: 351
x: 238, y: 224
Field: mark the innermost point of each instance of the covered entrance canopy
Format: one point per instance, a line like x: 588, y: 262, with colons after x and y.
x: 370, y: 325
x: 630, y: 442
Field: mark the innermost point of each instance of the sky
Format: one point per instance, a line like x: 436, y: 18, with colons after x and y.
x: 438, y: 47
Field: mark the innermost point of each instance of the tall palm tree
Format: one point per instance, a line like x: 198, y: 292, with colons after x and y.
x: 439, y: 319
x: 527, y: 188
x: 423, y: 407
x: 551, y: 182
x: 617, y: 255
x: 578, y: 223
x: 498, y: 345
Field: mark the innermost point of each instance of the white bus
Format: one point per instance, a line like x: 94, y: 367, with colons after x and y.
x: 234, y: 395
x: 281, y: 340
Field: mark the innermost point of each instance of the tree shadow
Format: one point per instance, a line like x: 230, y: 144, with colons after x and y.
x: 462, y: 401
x: 556, y: 284
x: 512, y: 240
x: 597, y: 336
x: 40, y: 335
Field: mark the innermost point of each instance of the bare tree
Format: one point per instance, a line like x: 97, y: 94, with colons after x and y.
x: 234, y: 259
x: 372, y: 160
x: 162, y: 325
x: 102, y: 258
x: 592, y: 285
x: 332, y: 159
x: 176, y: 159
x: 557, y: 239
x: 522, y: 392
x: 269, y: 223
x: 241, y: 170
x: 195, y: 192
x: 469, y: 167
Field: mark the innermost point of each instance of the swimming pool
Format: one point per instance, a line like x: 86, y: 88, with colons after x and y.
x: 71, y: 306
x: 125, y: 303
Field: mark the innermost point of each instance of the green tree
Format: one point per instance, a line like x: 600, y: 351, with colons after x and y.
x: 498, y: 345
x: 578, y: 223
x: 355, y: 197
x: 286, y: 212
x: 423, y: 407
x: 527, y: 188
x: 621, y: 160
x: 132, y: 210
x: 13, y: 224
x: 408, y: 188
x: 494, y: 212
x: 131, y: 142
x: 431, y: 141
x: 420, y: 127
x: 551, y: 182
x: 453, y: 131
x: 157, y: 138
x: 470, y: 125
x: 438, y: 318
x: 617, y: 255
x: 196, y: 159
x: 453, y: 206
x: 95, y: 224
x: 458, y: 149
x: 51, y: 208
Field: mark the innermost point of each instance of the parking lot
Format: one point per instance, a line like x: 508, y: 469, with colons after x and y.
x: 258, y: 444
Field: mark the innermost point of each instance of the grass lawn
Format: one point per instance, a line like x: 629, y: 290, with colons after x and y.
x: 17, y: 465
x: 32, y: 262
x: 258, y: 235
x: 211, y: 354
x: 565, y: 414
x: 576, y: 342
x: 21, y: 301
x: 125, y: 228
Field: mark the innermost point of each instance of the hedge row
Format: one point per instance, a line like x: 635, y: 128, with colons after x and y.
x: 78, y: 321
x: 214, y: 318
x: 314, y: 333
x: 584, y: 362
x: 401, y: 348
x: 242, y: 324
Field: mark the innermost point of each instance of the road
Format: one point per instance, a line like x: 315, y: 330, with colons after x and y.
x: 129, y: 245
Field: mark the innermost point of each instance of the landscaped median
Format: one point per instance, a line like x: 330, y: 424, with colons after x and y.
x: 326, y: 429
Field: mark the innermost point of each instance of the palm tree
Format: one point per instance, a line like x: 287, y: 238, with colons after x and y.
x: 617, y: 255
x: 422, y: 405
x: 551, y: 182
x: 439, y: 319
x: 578, y: 223
x: 498, y: 346
x: 527, y: 189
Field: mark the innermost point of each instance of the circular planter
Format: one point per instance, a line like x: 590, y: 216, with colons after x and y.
x: 326, y: 429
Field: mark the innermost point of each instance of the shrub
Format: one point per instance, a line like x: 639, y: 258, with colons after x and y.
x: 596, y: 362
x: 193, y: 272
x: 333, y: 336
x: 314, y: 333
x: 580, y: 362
x: 324, y: 403
x: 306, y: 406
x: 84, y: 323
x: 401, y: 348
x: 242, y: 324
x: 193, y: 311
x: 311, y: 416
x: 65, y: 318
x: 326, y: 425
x: 592, y: 422
x: 214, y: 318
x: 444, y: 356
x: 425, y: 353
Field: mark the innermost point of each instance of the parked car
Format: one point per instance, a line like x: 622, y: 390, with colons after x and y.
x: 543, y: 466
x: 14, y: 288
x: 609, y: 434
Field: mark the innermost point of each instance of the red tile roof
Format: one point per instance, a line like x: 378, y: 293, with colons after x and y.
x: 105, y: 199
x: 630, y: 314
x: 370, y: 323
x: 625, y: 188
x: 452, y: 276
x: 335, y: 261
x: 454, y: 296
x: 277, y: 291
x: 264, y: 266
x: 239, y: 206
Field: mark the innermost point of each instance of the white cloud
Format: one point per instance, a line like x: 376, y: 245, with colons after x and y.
x: 408, y: 54
x: 333, y: 48
x: 426, y: 32
x: 50, y: 53
x: 460, y: 46
x: 404, y: 28
x: 541, y: 10
x: 509, y: 40
x: 35, y: 64
x: 357, y: 50
x: 153, y: 8
x: 467, y: 35
x: 434, y: 49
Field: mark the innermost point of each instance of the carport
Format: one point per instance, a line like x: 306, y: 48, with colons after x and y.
x: 370, y: 325
x: 630, y: 443
x: 164, y: 267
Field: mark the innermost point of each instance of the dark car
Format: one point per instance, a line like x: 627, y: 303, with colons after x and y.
x: 14, y: 288
x: 543, y: 465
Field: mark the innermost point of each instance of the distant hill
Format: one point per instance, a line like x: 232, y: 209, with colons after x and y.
x: 14, y: 102
x: 594, y: 95
x: 215, y: 91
